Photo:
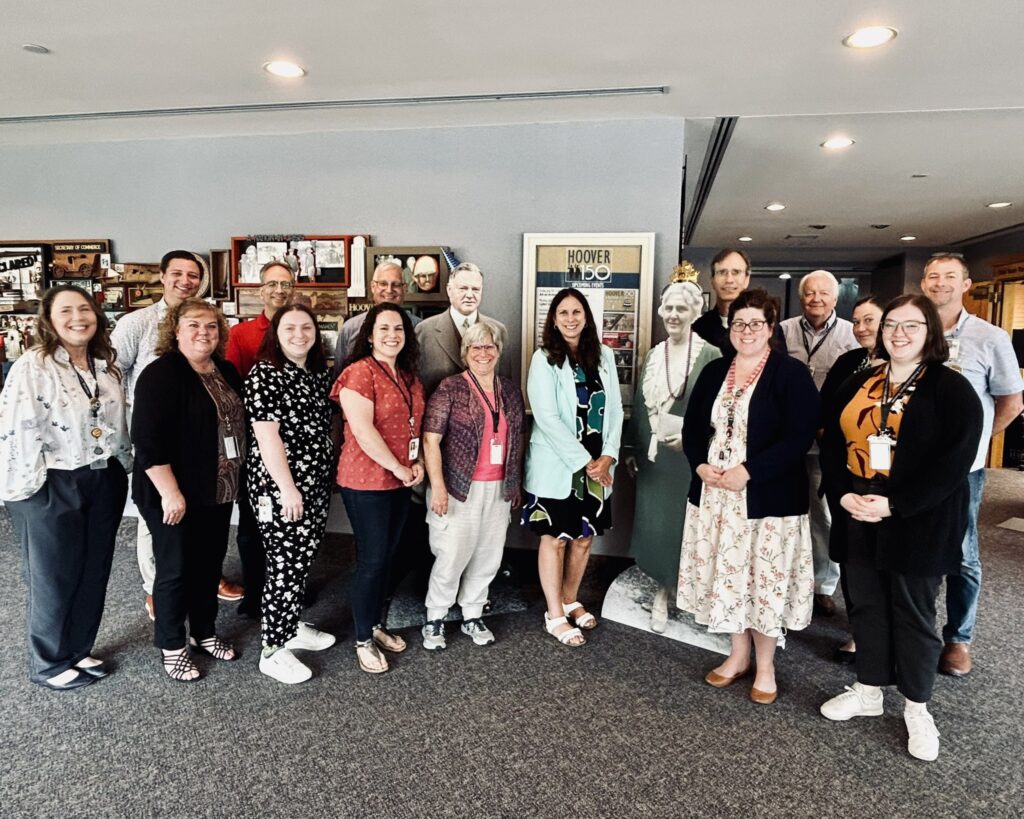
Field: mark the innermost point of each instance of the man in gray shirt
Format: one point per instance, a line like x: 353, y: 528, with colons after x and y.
x: 984, y: 355
x: 818, y: 338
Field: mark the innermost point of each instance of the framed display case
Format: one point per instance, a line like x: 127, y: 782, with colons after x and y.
x: 424, y: 270
x: 22, y: 275
x: 318, y: 260
x: 79, y: 258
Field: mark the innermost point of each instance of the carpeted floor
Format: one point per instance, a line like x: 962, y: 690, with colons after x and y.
x: 622, y: 727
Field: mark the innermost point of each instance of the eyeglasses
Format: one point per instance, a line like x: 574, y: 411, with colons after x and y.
x: 911, y: 328
x: 279, y: 285
x: 754, y: 326
x: 483, y: 348
x: 722, y: 273
x: 389, y: 285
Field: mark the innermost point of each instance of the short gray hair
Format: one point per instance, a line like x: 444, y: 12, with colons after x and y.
x: 476, y: 333
x: 689, y: 291
x: 824, y: 274
x: 384, y: 265
x: 465, y: 267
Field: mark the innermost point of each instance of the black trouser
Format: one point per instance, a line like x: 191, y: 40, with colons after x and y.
x: 67, y: 531
x: 188, y: 563
x: 251, y: 553
x: 893, y: 619
x: 412, y: 554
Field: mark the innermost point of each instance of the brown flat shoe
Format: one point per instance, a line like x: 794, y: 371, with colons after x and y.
x: 763, y: 697
x: 721, y: 681
x: 955, y: 660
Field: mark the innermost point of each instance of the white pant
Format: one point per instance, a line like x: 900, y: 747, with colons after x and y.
x: 826, y: 572
x: 144, y: 552
x: 467, y: 544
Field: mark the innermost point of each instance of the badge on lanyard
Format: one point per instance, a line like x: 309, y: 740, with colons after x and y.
x: 414, y: 448
x: 880, y: 450
x: 230, y: 447
x: 497, y: 452
x: 264, y: 509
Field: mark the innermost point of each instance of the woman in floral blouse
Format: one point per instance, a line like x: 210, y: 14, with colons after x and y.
x: 64, y: 450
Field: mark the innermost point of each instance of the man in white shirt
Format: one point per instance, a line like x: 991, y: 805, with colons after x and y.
x: 134, y: 338
x: 818, y: 338
x: 984, y: 355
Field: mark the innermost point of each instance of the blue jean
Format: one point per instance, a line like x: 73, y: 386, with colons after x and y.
x: 963, y: 590
x: 377, y: 517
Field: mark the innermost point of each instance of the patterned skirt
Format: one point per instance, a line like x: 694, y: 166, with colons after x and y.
x: 584, y: 513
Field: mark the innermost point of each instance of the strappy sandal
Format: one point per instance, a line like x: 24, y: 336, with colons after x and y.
x: 566, y: 637
x: 369, y: 658
x: 179, y: 666
x: 585, y: 621
x: 388, y: 641
x: 215, y: 647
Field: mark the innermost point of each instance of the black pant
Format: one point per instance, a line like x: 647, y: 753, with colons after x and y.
x: 893, y: 620
x: 188, y: 563
x: 251, y: 553
x: 67, y: 531
x: 412, y: 554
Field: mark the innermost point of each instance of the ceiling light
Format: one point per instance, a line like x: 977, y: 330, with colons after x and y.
x: 283, y: 68
x: 998, y: 205
x: 35, y: 48
x: 837, y: 143
x: 908, y: 238
x: 746, y: 238
x: 774, y: 206
x: 870, y: 37
x: 785, y: 276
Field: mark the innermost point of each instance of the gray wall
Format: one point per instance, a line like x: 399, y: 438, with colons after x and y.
x: 475, y: 189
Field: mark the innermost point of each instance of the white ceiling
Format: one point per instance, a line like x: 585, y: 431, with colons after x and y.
x: 778, y: 66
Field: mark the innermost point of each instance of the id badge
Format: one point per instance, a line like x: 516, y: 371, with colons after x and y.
x: 880, y: 448
x: 414, y: 449
x: 264, y: 509
x: 497, y: 453
x: 230, y: 448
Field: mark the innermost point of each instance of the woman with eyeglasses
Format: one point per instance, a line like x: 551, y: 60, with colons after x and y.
x: 473, y: 447
x: 899, y: 443
x: 867, y: 312
x: 746, y: 568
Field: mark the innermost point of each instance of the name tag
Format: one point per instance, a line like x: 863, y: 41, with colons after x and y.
x: 264, y: 510
x: 414, y: 448
x: 230, y: 447
x: 497, y: 453
x: 880, y: 448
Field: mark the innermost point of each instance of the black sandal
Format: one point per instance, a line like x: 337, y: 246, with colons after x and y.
x: 178, y: 664
x: 215, y: 647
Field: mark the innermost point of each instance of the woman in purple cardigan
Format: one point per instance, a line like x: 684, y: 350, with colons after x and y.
x: 473, y: 447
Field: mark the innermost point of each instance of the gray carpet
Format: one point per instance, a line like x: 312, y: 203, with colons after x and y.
x: 623, y: 727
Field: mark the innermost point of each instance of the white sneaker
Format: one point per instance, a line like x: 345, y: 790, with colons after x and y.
x: 433, y: 635
x: 924, y: 737
x: 857, y: 701
x: 310, y: 639
x: 284, y: 667
x: 475, y: 628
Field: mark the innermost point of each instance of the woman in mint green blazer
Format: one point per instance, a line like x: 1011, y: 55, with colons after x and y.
x: 574, y: 394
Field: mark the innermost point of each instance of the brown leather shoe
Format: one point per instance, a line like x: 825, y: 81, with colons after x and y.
x: 955, y: 660
x: 763, y: 697
x: 722, y: 681
x: 229, y: 591
x: 149, y: 607
x: 824, y: 604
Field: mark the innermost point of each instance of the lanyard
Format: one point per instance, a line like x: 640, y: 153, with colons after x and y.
x: 887, y: 402
x: 94, y: 400
x: 496, y: 409
x: 406, y: 398
x: 686, y: 379
x: 822, y: 340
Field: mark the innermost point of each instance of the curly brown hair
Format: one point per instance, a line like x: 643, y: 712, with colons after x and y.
x: 99, y: 345
x: 167, y: 339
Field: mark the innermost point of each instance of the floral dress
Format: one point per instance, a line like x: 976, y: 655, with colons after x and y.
x: 736, y: 573
x: 585, y: 512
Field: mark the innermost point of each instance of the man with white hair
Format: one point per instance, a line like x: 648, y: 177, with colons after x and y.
x: 818, y: 338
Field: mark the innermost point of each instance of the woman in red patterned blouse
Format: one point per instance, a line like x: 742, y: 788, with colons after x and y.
x: 382, y: 400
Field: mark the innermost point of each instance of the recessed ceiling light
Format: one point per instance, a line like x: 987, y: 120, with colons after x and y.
x: 908, y: 238
x: 283, y: 68
x: 746, y: 238
x: 774, y: 206
x: 870, y: 37
x: 998, y: 204
x: 785, y: 276
x: 35, y: 48
x: 837, y: 143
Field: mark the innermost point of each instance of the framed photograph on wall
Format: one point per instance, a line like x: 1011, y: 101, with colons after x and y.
x: 220, y: 274
x: 22, y: 275
x: 248, y: 301
x: 615, y: 274
x: 112, y: 297
x: 79, y: 258
x: 424, y: 270
x: 323, y: 300
x: 142, y: 295
x: 317, y: 260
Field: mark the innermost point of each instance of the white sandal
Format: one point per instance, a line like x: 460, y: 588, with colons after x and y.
x: 585, y: 620
x: 567, y: 636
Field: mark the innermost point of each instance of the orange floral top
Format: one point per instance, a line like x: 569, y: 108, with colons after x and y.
x: 862, y: 418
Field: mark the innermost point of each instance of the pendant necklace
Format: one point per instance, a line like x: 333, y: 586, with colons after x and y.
x: 94, y: 401
x: 732, y: 397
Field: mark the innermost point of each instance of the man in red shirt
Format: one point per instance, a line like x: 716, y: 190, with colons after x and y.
x: 277, y: 284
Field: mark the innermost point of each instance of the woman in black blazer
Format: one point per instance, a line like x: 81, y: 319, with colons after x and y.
x: 899, y: 442
x: 188, y: 428
x: 745, y: 566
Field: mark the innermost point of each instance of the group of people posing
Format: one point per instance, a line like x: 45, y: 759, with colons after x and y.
x: 771, y: 458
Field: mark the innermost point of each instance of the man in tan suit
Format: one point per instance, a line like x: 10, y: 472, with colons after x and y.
x: 440, y: 336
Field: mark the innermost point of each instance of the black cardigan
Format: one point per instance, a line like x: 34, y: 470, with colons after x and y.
x: 174, y: 422
x: 782, y: 421
x: 841, y: 369
x: 927, y: 485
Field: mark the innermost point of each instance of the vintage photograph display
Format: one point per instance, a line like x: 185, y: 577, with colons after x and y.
x: 79, y: 258
x: 316, y: 260
x: 22, y: 275
x: 424, y: 270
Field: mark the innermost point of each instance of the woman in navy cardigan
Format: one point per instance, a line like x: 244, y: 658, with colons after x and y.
x: 745, y: 567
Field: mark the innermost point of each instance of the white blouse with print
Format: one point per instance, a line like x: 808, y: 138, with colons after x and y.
x: 46, y: 421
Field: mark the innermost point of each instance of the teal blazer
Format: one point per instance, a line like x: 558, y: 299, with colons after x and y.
x: 554, y: 454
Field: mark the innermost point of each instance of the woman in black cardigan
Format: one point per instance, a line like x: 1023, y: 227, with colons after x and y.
x: 745, y: 566
x: 899, y: 442
x: 188, y: 428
